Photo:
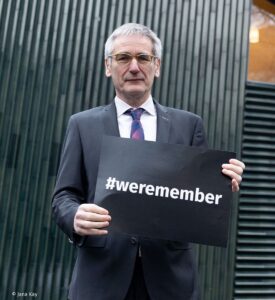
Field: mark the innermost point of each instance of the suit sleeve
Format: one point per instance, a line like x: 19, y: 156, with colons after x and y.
x: 71, y: 181
x: 199, y: 136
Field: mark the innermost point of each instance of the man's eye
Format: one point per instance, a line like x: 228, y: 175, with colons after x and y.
x: 144, y: 58
x: 123, y: 57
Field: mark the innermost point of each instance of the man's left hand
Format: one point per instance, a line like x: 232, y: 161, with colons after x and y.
x: 234, y: 169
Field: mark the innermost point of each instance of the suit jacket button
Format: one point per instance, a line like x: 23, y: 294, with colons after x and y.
x: 133, y: 240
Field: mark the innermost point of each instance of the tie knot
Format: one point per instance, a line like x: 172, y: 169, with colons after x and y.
x: 135, y: 113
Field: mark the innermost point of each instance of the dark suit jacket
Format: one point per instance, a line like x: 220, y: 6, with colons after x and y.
x: 105, y: 264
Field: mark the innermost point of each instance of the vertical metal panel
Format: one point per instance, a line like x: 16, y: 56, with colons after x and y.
x: 255, y: 253
x: 51, y: 62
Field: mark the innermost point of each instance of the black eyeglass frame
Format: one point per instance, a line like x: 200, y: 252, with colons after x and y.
x: 141, y: 58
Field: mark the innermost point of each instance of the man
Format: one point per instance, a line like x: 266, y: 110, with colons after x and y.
x: 112, y: 266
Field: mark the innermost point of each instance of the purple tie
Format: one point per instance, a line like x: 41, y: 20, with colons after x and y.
x: 136, y: 129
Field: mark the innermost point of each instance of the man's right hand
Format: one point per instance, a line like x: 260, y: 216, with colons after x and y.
x: 90, y: 219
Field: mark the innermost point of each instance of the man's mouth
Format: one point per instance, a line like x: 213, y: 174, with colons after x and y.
x: 134, y: 79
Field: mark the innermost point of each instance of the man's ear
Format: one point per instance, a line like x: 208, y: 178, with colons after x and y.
x: 108, y: 72
x: 157, y: 67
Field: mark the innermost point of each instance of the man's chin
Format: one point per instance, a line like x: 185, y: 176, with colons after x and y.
x: 135, y: 92
x: 135, y: 96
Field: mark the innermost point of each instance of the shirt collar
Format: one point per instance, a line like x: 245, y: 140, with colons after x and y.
x: 122, y: 106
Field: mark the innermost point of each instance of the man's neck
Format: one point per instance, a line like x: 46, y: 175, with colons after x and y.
x: 134, y: 101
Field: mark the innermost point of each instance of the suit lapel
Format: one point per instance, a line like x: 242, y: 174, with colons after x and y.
x: 163, y: 123
x: 109, y: 118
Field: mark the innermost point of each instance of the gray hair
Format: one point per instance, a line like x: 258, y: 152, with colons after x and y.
x: 132, y: 29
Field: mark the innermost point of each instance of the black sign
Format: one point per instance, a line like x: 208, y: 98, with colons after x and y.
x: 165, y: 191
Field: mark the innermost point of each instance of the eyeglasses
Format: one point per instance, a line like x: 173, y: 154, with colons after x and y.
x: 126, y: 58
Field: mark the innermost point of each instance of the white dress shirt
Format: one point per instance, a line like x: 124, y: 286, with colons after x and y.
x: 148, y: 119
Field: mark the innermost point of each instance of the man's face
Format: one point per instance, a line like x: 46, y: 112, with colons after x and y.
x: 133, y: 81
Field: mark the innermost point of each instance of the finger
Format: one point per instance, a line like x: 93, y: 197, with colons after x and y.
x: 235, y: 186
x: 84, y: 232
x: 93, y: 208
x: 232, y: 175
x: 93, y: 217
x: 234, y: 168
x: 91, y: 225
x: 90, y: 228
x: 237, y: 162
x: 97, y: 217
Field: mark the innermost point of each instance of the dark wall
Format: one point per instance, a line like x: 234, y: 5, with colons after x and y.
x: 51, y: 65
x: 255, y: 248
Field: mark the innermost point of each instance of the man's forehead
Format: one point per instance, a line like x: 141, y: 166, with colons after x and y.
x: 132, y: 42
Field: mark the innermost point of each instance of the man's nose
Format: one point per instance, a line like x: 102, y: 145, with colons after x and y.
x: 134, y: 66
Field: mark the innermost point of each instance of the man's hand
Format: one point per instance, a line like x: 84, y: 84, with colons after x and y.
x: 90, y: 219
x: 234, y: 169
